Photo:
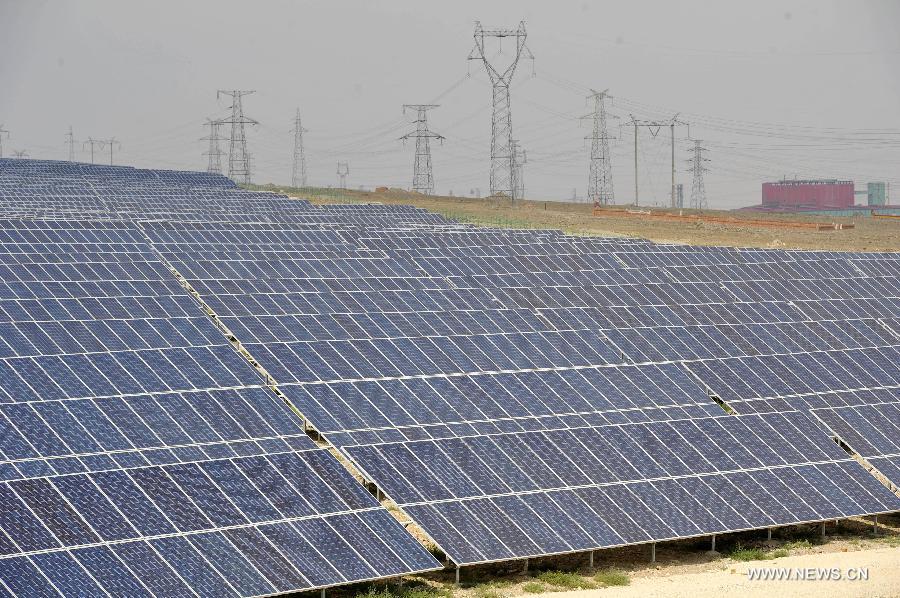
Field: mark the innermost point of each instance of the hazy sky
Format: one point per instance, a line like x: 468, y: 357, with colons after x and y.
x: 809, y: 88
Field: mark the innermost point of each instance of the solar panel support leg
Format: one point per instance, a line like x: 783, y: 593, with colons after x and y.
x: 823, y: 529
x: 769, y: 534
x: 875, y: 525
x: 323, y: 592
x: 591, y: 560
x: 457, y: 576
x: 653, y: 552
x: 526, y: 566
x: 713, y: 548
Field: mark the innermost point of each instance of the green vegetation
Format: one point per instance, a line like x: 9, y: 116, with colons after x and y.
x: 612, y: 577
x: 565, y: 580
x: 777, y: 554
x: 491, y: 589
x: 803, y: 544
x: 742, y: 553
x: 534, y: 587
x: 892, y: 540
x: 412, y: 590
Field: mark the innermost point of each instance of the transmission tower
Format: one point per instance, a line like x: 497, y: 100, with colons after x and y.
x: 93, y: 142
x: 520, y: 158
x: 214, y: 153
x: 70, y: 141
x: 343, y: 169
x: 423, y: 179
x: 238, y: 158
x: 502, y: 157
x: 2, y: 131
x: 600, y: 184
x: 698, y: 189
x: 20, y: 154
x: 298, y: 174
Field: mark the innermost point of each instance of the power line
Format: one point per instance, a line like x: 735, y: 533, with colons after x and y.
x: 698, y: 188
x: 298, y: 172
x: 502, y: 154
x: 423, y: 178
x: 600, y: 184
x: 238, y: 157
x: 214, y: 153
x: 111, y: 142
x: 70, y: 141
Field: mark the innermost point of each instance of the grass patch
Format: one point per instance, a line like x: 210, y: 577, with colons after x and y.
x: 612, y: 577
x: 803, y: 544
x: 534, y: 587
x: 413, y: 590
x: 742, y: 553
x: 889, y: 540
x: 563, y: 579
x: 491, y: 589
x: 777, y: 554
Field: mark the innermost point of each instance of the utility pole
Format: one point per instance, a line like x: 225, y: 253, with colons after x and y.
x: 110, y: 142
x: 2, y: 131
x: 698, y: 188
x: 298, y: 172
x: 343, y: 169
x: 423, y: 178
x: 238, y: 158
x: 654, y: 127
x: 20, y: 154
x: 600, y: 185
x: 502, y: 157
x: 519, y: 159
x: 92, y: 142
x: 672, y: 123
x: 214, y: 153
x: 70, y: 141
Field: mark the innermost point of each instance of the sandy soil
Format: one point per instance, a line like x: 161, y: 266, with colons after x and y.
x: 883, y: 565
x: 868, y: 235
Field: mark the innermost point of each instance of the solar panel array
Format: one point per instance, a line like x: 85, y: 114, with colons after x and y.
x: 139, y: 452
x: 522, y: 393
x: 473, y: 374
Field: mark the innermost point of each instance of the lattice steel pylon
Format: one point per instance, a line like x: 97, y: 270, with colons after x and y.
x: 298, y: 171
x: 70, y: 141
x: 423, y: 177
x: 502, y: 159
x: 238, y: 158
x: 214, y: 153
x: 600, y: 183
x: 2, y: 131
x: 343, y: 169
x: 520, y: 158
x: 698, y: 188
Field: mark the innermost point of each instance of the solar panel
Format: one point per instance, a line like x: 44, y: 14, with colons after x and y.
x: 140, y: 453
x: 517, y: 392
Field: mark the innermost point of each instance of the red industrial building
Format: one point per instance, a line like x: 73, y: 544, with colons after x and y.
x: 810, y: 195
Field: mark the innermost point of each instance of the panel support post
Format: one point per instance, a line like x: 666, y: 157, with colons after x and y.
x: 457, y: 576
x: 591, y: 559
x: 823, y: 529
x: 875, y: 525
x: 653, y: 552
x: 713, y: 547
x: 323, y: 592
x: 525, y: 570
x: 769, y: 534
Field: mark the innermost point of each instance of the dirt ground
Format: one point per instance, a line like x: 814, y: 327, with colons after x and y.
x: 868, y: 234
x: 883, y: 566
